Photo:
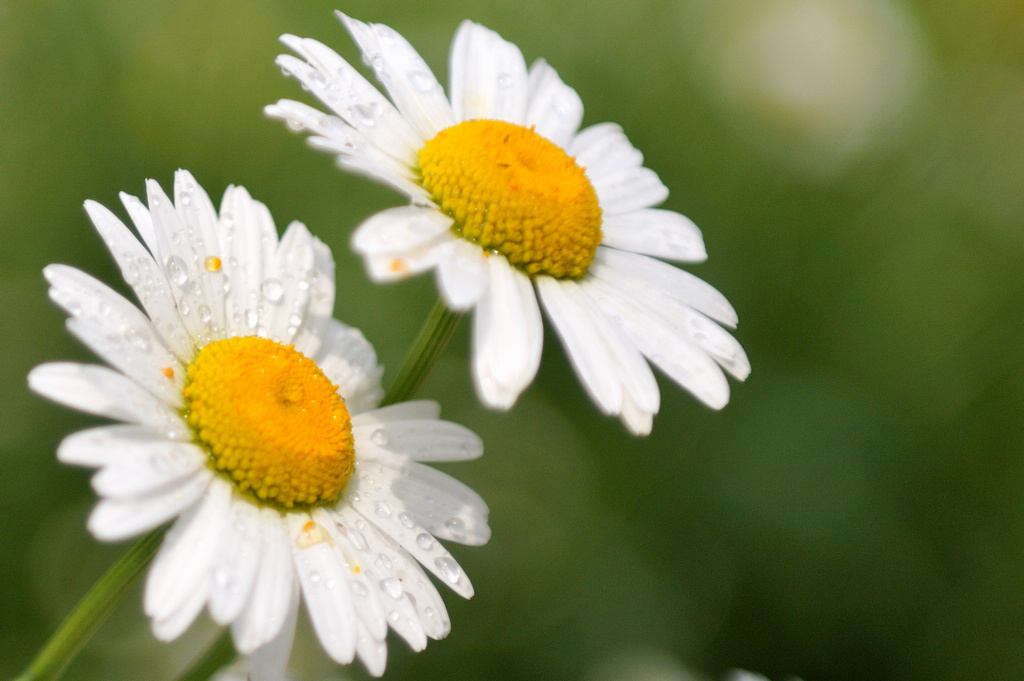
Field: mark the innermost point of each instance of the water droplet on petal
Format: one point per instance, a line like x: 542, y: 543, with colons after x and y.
x: 449, y: 569
x: 383, y: 510
x: 272, y: 290
x: 177, y: 270
x: 379, y: 437
x: 425, y: 541
x: 392, y: 587
x: 456, y: 527
x: 314, y: 577
x: 205, y: 313
x: 252, y: 318
x: 137, y: 337
x: 421, y: 80
x: 407, y: 520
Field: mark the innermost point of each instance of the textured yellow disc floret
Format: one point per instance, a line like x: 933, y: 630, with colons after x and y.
x: 271, y: 420
x: 513, y: 192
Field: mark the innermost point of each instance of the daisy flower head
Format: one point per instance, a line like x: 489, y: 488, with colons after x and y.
x: 248, y: 417
x: 511, y: 203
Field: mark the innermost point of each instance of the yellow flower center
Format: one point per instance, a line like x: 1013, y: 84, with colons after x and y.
x: 512, y: 192
x: 271, y: 420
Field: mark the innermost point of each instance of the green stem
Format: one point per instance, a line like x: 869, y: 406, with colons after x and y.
x: 425, y: 352
x: 217, y: 656
x: 92, y: 610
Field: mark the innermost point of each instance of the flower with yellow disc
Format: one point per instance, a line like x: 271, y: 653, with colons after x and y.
x: 248, y: 416
x: 511, y: 203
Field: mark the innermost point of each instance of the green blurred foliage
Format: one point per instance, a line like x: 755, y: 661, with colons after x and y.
x: 855, y: 512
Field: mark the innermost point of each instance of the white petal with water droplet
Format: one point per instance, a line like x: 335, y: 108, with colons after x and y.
x: 117, y: 519
x: 350, y: 362
x: 183, y: 564
x: 266, y: 612
x: 330, y: 607
x: 104, y: 392
x: 407, y: 78
x: 403, y: 411
x: 235, y: 561
x: 488, y: 76
x: 117, y: 331
x: 462, y: 274
x: 661, y: 233
x: 555, y: 109
x: 420, y: 440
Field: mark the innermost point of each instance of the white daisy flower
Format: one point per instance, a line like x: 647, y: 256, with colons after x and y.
x: 249, y: 417
x: 512, y: 203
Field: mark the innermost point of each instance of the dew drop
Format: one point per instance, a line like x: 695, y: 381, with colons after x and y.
x: 212, y: 263
x: 314, y: 577
x: 205, y: 313
x: 425, y: 541
x: 380, y: 437
x: 449, y: 569
x: 456, y: 527
x: 392, y: 587
x: 364, y: 115
x: 359, y: 590
x: 505, y: 80
x: 252, y: 318
x: 358, y: 540
x: 177, y: 270
x: 272, y: 290
x: 421, y: 80
x: 295, y: 319
x: 383, y: 510
x: 137, y: 337
x: 407, y: 520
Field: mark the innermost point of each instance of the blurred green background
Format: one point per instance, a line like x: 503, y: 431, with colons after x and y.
x: 857, y: 167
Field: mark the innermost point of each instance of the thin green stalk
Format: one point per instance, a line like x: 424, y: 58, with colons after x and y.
x: 217, y: 656
x: 426, y: 350
x: 92, y: 610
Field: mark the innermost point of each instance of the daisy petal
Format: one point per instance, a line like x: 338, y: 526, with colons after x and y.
x: 141, y: 272
x: 235, y: 561
x: 174, y: 624
x: 249, y: 251
x: 555, y: 110
x: 151, y: 465
x: 368, y: 608
x: 397, y: 231
x: 273, y: 593
x: 573, y: 323
x: 507, y: 336
x: 344, y: 90
x: 657, y: 277
x: 410, y: 82
x: 320, y: 311
x: 324, y: 591
x: 672, y: 351
x: 348, y: 359
x: 103, y: 392
x: 183, y: 564
x: 629, y: 191
x: 396, y: 575
x: 403, y: 411
x: 661, y: 233
x: 117, y: 519
x: 462, y: 274
x: 137, y: 351
x: 604, y: 150
x: 286, y: 288
x: 420, y: 440
x: 269, y: 661
x: 105, y: 445
x: 488, y: 76
x: 201, y: 222
x: 446, y: 508
x: 372, y: 652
